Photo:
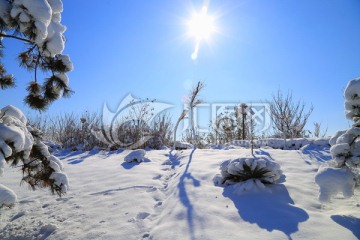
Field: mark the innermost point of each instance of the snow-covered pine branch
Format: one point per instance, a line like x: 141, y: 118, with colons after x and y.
x: 343, y: 173
x: 21, y: 146
x: 38, y: 24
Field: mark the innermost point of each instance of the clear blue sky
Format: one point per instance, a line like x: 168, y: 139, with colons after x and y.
x: 311, y: 47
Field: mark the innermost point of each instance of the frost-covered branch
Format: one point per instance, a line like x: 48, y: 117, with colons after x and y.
x: 289, y: 117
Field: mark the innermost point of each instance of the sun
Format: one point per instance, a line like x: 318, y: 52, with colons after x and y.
x: 201, y: 25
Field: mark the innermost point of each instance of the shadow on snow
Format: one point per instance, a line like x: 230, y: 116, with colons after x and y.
x: 111, y: 191
x: 349, y: 222
x: 73, y: 157
x: 130, y: 165
x: 269, y: 210
x: 318, y: 153
x: 183, y: 195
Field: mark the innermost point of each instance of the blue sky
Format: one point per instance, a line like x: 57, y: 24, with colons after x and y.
x: 140, y: 47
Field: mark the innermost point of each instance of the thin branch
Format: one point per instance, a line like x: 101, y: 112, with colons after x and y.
x: 15, y: 37
x: 36, y: 66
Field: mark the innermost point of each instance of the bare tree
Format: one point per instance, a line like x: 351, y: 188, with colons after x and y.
x: 182, y: 116
x: 289, y: 117
x: 193, y: 102
x: 251, y: 129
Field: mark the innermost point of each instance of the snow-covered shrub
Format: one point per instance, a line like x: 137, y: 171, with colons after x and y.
x: 160, y: 132
x: 73, y: 131
x: 21, y: 145
x: 277, y: 143
x: 345, y: 150
x: 248, y: 174
x: 7, y: 197
x: 135, y: 156
x: 183, y: 145
x: 334, y: 180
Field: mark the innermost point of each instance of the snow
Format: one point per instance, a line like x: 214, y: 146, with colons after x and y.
x: 38, y: 10
x: 334, y: 180
x: 243, y: 166
x: 135, y: 156
x: 45, y: 15
x: 56, y: 5
x: 13, y: 130
x: 4, y: 10
x: 183, y: 145
x: 11, y: 111
x: 276, y: 143
x: 352, y: 99
x: 63, y: 77
x: 7, y: 197
x: 16, y: 137
x: 334, y: 138
x: 54, y: 42
x: 340, y: 149
x: 173, y: 196
x: 65, y: 59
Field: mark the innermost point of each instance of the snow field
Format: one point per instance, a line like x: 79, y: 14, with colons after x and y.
x: 173, y: 196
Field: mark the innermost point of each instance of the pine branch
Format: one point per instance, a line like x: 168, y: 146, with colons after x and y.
x: 16, y: 37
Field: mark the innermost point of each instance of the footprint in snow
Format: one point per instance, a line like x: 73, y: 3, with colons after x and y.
x: 18, y: 215
x: 157, y: 177
x: 142, y: 215
x: 151, y: 189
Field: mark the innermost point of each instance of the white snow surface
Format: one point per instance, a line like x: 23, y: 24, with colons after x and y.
x: 173, y: 197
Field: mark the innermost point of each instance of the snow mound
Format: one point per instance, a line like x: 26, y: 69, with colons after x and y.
x: 334, y: 180
x: 135, y: 156
x: 248, y: 174
x: 7, y: 197
x: 277, y: 143
x: 183, y: 145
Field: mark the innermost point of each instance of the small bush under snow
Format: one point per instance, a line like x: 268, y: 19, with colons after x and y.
x: 333, y: 181
x: 248, y: 174
x: 135, y: 156
x: 7, y: 197
x: 183, y: 145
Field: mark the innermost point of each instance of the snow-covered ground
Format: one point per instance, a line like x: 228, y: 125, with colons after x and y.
x: 171, y: 195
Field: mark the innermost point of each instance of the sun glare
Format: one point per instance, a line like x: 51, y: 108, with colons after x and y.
x: 201, y: 25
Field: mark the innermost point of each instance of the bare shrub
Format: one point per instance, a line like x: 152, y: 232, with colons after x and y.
x: 160, y: 132
x: 69, y: 130
x: 288, y: 117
